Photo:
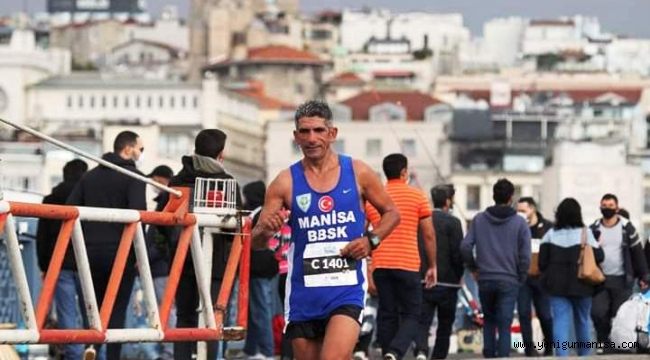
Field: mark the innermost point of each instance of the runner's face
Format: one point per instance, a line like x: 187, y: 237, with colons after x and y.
x: 314, y: 137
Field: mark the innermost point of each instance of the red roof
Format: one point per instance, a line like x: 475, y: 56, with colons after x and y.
x: 256, y: 93
x: 346, y: 79
x: 392, y: 74
x: 414, y: 102
x: 281, y: 53
x: 273, y: 54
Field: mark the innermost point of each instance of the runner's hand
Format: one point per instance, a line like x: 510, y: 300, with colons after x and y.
x: 357, y: 249
x: 273, y: 222
x: 431, y: 277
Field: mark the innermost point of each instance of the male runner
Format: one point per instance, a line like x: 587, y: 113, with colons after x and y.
x: 325, y: 192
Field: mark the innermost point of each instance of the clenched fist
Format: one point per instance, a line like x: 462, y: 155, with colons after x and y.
x: 357, y: 249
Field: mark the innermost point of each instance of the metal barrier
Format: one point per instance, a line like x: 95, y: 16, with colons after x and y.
x: 175, y: 214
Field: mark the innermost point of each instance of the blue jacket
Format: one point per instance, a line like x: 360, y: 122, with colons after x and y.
x: 497, y: 244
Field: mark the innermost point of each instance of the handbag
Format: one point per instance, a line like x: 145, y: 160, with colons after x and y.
x: 588, y: 270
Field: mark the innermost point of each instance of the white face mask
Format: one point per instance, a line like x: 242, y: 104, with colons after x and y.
x: 140, y: 161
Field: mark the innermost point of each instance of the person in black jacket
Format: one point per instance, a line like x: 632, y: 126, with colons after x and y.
x: 206, y: 162
x: 624, y: 262
x: 104, y: 187
x: 443, y: 296
x: 570, y: 297
x: 264, y: 266
x: 159, y: 261
x: 67, y: 294
x: 531, y: 291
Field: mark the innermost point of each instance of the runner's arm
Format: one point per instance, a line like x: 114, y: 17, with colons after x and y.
x: 271, y: 217
x: 373, y: 191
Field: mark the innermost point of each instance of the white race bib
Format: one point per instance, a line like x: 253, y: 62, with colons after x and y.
x: 324, y: 266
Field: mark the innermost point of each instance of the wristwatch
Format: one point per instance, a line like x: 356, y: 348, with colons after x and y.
x: 373, y: 239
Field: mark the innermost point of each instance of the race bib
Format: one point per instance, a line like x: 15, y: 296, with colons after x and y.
x: 323, y: 265
x: 534, y: 245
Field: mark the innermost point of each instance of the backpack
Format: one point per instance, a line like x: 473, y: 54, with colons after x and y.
x: 632, y: 321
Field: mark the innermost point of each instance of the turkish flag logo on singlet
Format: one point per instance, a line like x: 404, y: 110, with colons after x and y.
x: 326, y: 203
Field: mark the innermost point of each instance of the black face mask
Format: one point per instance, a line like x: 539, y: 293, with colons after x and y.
x: 608, y: 213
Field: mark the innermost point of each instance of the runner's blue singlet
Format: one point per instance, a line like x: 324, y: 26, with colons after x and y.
x: 319, y: 279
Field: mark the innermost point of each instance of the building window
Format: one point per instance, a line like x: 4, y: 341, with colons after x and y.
x: 137, y: 101
x: 126, y: 101
x: 373, y: 147
x: 69, y: 101
x: 80, y: 101
x: 408, y: 147
x: 174, y: 144
x: 387, y: 112
x: 161, y: 101
x: 92, y: 102
x: 172, y: 101
x: 103, y: 101
x: 115, y: 101
x: 149, y: 102
x: 183, y: 101
x: 195, y: 101
x: 339, y: 146
x: 473, y: 197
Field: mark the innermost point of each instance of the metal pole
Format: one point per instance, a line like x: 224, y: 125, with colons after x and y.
x: 92, y: 157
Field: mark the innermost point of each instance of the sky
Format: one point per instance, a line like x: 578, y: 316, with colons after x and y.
x: 626, y: 17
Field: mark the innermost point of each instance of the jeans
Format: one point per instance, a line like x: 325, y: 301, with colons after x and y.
x: 443, y: 299
x: 156, y: 350
x: 187, y: 303
x: 70, y: 309
x: 565, y: 310
x: 259, y: 337
x: 400, y: 299
x: 498, y: 302
x: 606, y: 303
x: 531, y: 292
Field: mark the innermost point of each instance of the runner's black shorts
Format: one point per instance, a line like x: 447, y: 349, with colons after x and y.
x: 315, y: 329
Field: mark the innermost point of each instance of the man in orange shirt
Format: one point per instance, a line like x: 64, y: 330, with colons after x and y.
x: 396, y: 261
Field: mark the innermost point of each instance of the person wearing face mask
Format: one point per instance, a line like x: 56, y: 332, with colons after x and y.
x: 624, y: 262
x: 531, y: 291
x: 104, y: 187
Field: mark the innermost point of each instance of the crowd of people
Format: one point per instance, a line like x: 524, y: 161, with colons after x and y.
x: 335, y: 246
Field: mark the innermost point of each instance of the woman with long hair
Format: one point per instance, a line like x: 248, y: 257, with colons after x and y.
x: 558, y: 261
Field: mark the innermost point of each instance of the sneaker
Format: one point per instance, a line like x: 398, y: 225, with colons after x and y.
x: 359, y: 355
x: 421, y: 356
x: 90, y: 353
x: 390, y: 356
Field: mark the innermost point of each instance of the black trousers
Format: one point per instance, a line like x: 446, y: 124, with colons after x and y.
x: 400, y: 298
x: 605, y: 304
x: 187, y: 302
x: 442, y: 300
x: 101, y: 272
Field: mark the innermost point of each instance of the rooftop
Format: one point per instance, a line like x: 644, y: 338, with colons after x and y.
x: 346, y: 79
x: 273, y: 54
x: 93, y: 80
x: 414, y: 102
x: 255, y: 92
